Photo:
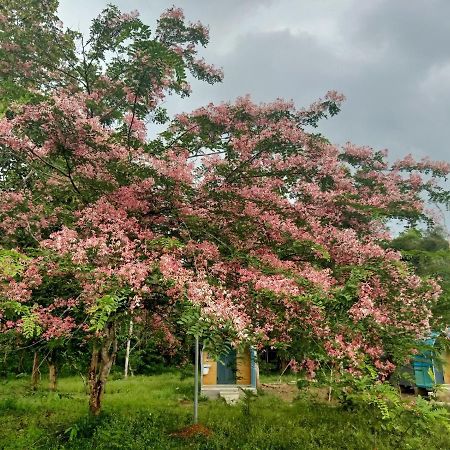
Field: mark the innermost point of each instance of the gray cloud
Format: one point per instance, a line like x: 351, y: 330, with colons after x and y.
x: 390, y: 58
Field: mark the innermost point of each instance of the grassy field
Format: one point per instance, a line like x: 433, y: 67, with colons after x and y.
x: 149, y: 412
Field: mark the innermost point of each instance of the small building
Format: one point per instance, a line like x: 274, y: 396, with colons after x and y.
x: 428, y: 372
x: 228, y: 375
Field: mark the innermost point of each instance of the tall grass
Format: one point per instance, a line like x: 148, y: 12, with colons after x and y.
x: 144, y: 412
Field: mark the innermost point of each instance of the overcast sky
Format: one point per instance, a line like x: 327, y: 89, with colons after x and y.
x: 391, y: 59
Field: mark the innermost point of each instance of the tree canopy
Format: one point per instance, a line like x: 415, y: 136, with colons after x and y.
x: 428, y: 252
x: 262, y: 231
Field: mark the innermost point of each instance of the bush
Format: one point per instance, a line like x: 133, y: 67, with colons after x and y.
x: 392, y: 417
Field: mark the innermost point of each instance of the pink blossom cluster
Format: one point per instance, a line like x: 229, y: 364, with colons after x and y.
x: 173, y: 13
x: 237, y: 209
x: 409, y: 163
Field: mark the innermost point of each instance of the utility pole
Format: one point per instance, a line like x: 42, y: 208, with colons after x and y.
x: 196, y: 380
x: 127, y: 354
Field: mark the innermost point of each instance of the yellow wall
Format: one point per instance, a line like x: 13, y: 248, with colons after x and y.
x: 211, y: 377
x: 243, y: 375
x: 447, y: 368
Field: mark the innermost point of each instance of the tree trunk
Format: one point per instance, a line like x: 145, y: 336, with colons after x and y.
x: 52, y: 375
x: 35, y: 372
x: 103, y: 355
x: 20, y: 363
x: 127, y: 354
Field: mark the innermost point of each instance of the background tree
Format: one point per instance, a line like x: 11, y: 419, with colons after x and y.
x: 429, y: 253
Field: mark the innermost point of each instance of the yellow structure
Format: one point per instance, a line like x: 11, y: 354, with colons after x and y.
x: 447, y: 368
x: 228, y: 373
x: 443, y: 393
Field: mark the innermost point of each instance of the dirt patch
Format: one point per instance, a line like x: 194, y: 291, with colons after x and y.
x: 286, y: 391
x: 289, y: 392
x: 192, y: 431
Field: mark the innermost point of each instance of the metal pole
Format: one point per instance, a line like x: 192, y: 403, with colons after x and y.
x: 127, y: 354
x: 196, y: 381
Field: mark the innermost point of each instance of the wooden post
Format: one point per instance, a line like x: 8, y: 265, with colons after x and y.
x: 52, y: 375
x: 35, y: 372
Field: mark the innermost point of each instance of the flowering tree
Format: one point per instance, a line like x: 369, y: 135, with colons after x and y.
x: 301, y: 225
x: 271, y: 234
x: 74, y: 149
x: 39, y: 296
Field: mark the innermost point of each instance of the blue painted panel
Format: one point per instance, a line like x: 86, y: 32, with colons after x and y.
x: 226, y: 368
x: 253, y: 367
x: 426, y: 373
x: 439, y: 374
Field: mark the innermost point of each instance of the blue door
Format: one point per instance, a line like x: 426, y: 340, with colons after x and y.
x: 427, y: 374
x: 423, y: 370
x: 226, y: 368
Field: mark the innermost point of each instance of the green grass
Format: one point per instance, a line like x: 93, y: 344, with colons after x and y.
x: 142, y: 412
